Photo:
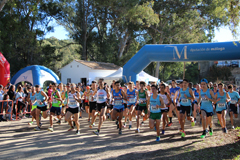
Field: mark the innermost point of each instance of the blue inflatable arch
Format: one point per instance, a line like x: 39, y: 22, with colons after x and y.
x: 36, y: 75
x: 179, y: 53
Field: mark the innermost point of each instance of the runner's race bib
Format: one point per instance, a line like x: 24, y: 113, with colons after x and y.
x: 196, y: 98
x: 142, y: 100
x: 131, y: 100
x: 184, y: 100
x: 154, y: 107
x: 55, y: 101
x: 100, y: 98
x: 233, y: 101
x: 221, y: 105
x: 39, y: 101
x: 204, y: 99
x: 118, y: 102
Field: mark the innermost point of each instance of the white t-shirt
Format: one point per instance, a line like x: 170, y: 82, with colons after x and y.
x: 101, y: 96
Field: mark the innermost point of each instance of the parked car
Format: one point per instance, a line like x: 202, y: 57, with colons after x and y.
x: 170, y: 81
x: 223, y: 63
x: 234, y: 64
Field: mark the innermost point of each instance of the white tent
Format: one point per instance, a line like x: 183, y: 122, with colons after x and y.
x: 117, y: 74
x: 143, y: 76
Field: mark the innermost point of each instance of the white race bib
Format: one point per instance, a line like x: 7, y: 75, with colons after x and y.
x: 233, y: 101
x: 55, y: 101
x: 221, y: 105
x: 100, y: 98
x: 196, y: 98
x: 204, y: 99
x: 154, y: 107
x: 39, y: 101
x: 142, y: 100
x: 131, y: 100
x: 184, y: 100
x: 118, y: 102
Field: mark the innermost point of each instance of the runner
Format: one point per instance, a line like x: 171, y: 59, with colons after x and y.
x: 86, y: 100
x: 176, y: 102
x: 186, y: 96
x: 56, y: 108
x: 221, y: 100
x: 73, y: 108
x: 155, y: 103
x: 101, y: 105
x: 167, y: 101
x: 93, y: 103
x: 126, y: 110
x: 206, y: 97
x: 173, y: 90
x: 194, y: 102
x: 32, y: 102
x: 131, y: 103
x: 141, y: 102
x: 42, y: 99
x: 235, y: 100
x: 110, y: 105
x: 118, y: 96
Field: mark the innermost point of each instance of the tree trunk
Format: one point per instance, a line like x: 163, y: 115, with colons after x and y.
x: 2, y: 4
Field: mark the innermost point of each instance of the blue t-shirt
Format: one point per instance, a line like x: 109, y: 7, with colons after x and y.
x: 234, y: 97
x: 206, y: 104
x: 184, y: 100
x: 173, y: 91
x: 154, y: 103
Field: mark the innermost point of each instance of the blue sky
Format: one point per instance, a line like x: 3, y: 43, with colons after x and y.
x: 221, y: 35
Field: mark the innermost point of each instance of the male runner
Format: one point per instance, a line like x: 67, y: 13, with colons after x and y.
x: 118, y: 96
x: 173, y: 90
x: 56, y: 108
x: 235, y: 100
x: 142, y: 104
x: 101, y: 105
x: 73, y: 108
x: 186, y: 96
x: 131, y: 102
x: 167, y: 101
x: 155, y: 103
x: 41, y: 98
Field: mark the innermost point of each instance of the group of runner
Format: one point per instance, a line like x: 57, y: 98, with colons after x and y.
x: 154, y: 102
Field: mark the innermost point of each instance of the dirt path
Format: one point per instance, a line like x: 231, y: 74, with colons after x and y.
x: 19, y: 141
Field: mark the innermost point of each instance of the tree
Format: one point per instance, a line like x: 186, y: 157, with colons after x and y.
x: 2, y: 4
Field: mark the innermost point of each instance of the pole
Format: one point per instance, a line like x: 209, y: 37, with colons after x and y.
x: 183, y: 70
x: 157, y: 70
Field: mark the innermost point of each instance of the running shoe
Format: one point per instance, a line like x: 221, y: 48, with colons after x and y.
x: 130, y: 126
x: 96, y: 132
x: 78, y: 132
x: 144, y: 119
x: 50, y: 129
x: 90, y: 126
x: 192, y: 123
x: 93, y: 124
x: 210, y: 131
x: 30, y: 123
x: 55, y: 119
x: 142, y: 123
x: 89, y: 120
x: 233, y: 127
x: 40, y: 124
x: 120, y: 132
x: 71, y: 128
x: 37, y: 129
x: 124, y: 125
x: 163, y: 131
x: 218, y: 122
x: 58, y: 122
x: 204, y: 134
x: 225, y: 130
x: 183, y: 134
x: 158, y: 139
x: 169, y: 124
x: 137, y: 130
x: 80, y: 117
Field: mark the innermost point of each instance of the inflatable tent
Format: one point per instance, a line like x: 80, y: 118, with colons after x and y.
x: 4, y: 70
x: 36, y: 75
x: 143, y: 76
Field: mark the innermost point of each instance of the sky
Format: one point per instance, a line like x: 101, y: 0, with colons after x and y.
x: 221, y: 35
